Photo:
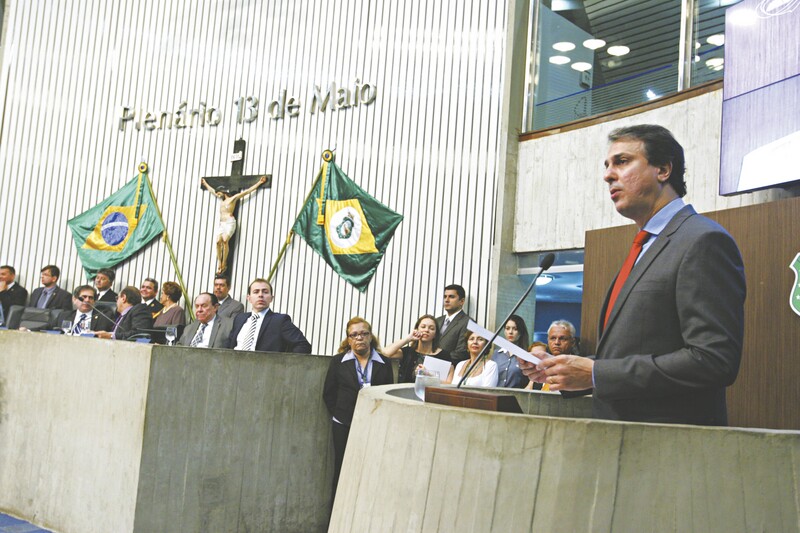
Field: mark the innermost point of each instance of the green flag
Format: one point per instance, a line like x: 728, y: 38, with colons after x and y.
x: 794, y: 297
x: 117, y: 227
x: 346, y: 226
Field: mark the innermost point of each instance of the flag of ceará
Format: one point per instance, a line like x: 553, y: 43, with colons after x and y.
x: 346, y: 226
x: 117, y: 227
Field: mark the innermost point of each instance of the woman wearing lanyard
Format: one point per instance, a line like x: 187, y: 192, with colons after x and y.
x: 357, y: 365
x: 509, y: 374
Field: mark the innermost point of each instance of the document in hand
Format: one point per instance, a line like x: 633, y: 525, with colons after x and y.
x: 503, y: 343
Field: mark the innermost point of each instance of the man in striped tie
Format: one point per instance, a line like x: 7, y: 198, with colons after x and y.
x: 85, y: 318
x: 264, y: 330
x: 210, y: 329
x: 671, y: 327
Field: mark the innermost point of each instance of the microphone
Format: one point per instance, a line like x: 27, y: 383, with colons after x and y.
x: 545, y: 263
x: 112, y: 320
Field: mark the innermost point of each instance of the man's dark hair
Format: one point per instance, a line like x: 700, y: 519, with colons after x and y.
x: 660, y: 148
x: 107, y: 272
x: 154, y: 282
x: 132, y: 295
x: 459, y: 290
x: 9, y: 268
x: 78, y: 290
x: 212, y: 297
x: 261, y: 280
x: 54, y: 271
x: 224, y: 278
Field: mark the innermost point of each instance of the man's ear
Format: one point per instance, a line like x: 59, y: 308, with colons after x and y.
x: 664, y: 172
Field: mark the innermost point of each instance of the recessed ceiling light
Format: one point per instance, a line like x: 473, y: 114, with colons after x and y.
x: 697, y: 45
x: 544, y: 280
x: 564, y: 46
x: 715, y: 62
x: 594, y: 44
x: 559, y: 60
x: 580, y: 66
x: 618, y: 50
x: 651, y: 95
x: 716, y: 40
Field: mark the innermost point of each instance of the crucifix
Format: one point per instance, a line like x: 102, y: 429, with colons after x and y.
x: 231, y: 189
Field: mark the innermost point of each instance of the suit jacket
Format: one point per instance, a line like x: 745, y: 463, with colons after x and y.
x: 230, y: 308
x: 99, y: 322
x: 60, y: 299
x: 109, y: 296
x: 341, y: 385
x: 452, y: 340
x: 220, y: 333
x: 154, y: 307
x: 673, y: 341
x: 277, y: 334
x: 16, y: 295
x: 137, y: 318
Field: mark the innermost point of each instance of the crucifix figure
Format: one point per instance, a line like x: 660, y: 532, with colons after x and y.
x: 230, y: 189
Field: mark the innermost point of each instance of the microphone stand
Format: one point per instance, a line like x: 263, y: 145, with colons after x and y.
x: 544, y: 264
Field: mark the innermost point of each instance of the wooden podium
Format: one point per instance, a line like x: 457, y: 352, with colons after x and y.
x: 487, y: 401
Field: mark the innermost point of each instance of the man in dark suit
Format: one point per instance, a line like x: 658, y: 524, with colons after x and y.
x: 670, y: 334
x: 149, y: 293
x: 51, y: 296
x: 210, y: 330
x: 228, y: 307
x: 264, y: 330
x: 11, y: 292
x: 133, y: 316
x: 102, y: 282
x: 453, y: 324
x: 85, y: 319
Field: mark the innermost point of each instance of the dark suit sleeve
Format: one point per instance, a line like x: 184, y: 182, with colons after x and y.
x: 708, y: 303
x: 61, y: 300
x: 293, y: 338
x: 141, y: 318
x: 460, y: 353
x: 238, y: 321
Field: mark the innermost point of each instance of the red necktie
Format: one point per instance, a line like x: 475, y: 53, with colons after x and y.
x: 625, y: 271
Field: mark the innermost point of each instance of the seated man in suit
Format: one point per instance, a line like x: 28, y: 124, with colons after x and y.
x: 85, y: 319
x: 133, y: 316
x: 103, y: 281
x: 148, y: 291
x: 228, y: 307
x: 11, y: 292
x: 51, y: 296
x: 264, y: 330
x: 210, y: 330
x: 453, y: 324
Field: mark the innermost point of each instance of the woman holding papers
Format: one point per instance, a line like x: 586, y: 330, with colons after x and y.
x: 423, y: 341
x: 485, y: 372
x: 508, y: 372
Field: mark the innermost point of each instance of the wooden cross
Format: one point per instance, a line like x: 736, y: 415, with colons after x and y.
x: 236, y: 181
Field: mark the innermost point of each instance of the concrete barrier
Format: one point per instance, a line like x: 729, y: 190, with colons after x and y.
x: 107, y: 436
x: 419, y: 467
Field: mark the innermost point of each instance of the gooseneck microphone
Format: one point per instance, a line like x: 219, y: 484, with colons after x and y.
x: 545, y: 263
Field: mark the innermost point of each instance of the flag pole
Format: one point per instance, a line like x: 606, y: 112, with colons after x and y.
x: 327, y: 156
x: 165, y: 236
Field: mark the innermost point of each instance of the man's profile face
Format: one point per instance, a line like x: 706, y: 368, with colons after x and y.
x: 559, y: 341
x: 85, y: 301
x: 48, y: 280
x: 452, y: 302
x: 6, y: 276
x: 122, y: 303
x: 102, y: 282
x: 634, y: 184
x: 147, y: 290
x: 260, y: 296
x: 221, y: 289
x: 204, y: 310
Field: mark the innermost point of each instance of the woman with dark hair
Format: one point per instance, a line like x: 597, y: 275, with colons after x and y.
x: 508, y: 372
x: 171, y: 314
x: 485, y: 372
x: 357, y: 365
x: 414, y: 347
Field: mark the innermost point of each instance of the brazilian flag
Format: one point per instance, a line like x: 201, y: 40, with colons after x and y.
x: 345, y: 225
x: 117, y: 227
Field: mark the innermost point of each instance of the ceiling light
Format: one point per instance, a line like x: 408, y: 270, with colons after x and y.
x: 564, y: 46
x: 651, y: 95
x: 716, y: 40
x: 618, y: 50
x: 544, y: 279
x: 697, y: 45
x: 580, y: 66
x: 559, y: 60
x: 715, y: 62
x: 594, y: 44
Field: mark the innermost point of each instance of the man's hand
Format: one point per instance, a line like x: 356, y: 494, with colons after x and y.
x: 3, y: 286
x: 564, y: 372
x: 103, y: 334
x: 531, y: 370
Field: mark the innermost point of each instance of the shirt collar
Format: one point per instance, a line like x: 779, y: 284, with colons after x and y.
x: 374, y: 356
x: 659, y: 221
x: 451, y: 317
